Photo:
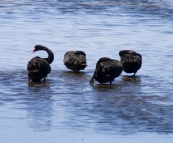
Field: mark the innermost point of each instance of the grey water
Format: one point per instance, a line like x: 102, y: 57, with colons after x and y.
x: 66, y: 108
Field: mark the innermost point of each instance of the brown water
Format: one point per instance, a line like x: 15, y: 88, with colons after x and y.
x: 66, y: 108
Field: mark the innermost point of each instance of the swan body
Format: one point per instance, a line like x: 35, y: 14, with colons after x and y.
x: 131, y: 61
x: 75, y: 60
x: 39, y: 68
x: 106, y: 70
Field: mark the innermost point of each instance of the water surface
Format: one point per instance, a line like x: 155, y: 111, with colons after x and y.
x: 66, y: 108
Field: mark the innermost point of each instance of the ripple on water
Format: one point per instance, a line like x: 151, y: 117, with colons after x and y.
x: 124, y: 106
x: 66, y: 100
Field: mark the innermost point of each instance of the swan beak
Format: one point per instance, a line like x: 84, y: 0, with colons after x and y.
x: 33, y: 51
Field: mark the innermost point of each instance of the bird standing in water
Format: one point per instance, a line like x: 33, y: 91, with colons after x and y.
x: 75, y: 60
x: 131, y: 61
x: 39, y: 68
x: 106, y: 70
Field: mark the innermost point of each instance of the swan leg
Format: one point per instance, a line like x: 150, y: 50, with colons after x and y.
x: 44, y: 79
x: 134, y: 76
x: 110, y: 82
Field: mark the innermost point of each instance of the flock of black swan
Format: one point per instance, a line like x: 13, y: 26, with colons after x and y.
x: 106, y: 69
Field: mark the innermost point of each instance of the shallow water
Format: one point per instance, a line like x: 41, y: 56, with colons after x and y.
x: 66, y: 107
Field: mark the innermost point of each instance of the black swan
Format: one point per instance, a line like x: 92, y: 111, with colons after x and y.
x: 131, y: 61
x: 106, y: 70
x: 75, y: 60
x: 39, y: 68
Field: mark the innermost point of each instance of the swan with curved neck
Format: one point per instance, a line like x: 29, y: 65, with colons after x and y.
x: 39, y: 68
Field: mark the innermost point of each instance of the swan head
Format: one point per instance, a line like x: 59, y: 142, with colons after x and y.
x: 36, y: 48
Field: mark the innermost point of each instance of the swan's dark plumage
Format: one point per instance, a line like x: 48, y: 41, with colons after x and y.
x: 39, y: 68
x: 75, y: 60
x: 131, y: 61
x: 106, y: 70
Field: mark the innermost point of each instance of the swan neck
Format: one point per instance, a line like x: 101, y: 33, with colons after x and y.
x: 50, y: 57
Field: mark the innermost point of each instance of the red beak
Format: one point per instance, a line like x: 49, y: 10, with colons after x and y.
x: 33, y: 51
